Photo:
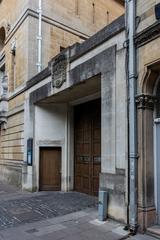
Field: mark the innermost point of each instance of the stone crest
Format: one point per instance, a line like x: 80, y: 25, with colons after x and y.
x: 58, y: 69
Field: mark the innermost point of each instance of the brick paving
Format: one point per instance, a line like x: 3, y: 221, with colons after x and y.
x: 54, y: 216
x: 47, y: 205
x: 80, y: 225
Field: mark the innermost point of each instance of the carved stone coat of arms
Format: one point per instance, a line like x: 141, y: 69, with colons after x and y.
x: 59, y: 71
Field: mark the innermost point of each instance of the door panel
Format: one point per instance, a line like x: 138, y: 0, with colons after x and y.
x: 50, y: 169
x: 88, y: 147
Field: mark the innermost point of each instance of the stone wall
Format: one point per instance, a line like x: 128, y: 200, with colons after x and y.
x: 78, y: 14
x: 53, y: 38
x: 63, y: 24
x: 146, y: 13
x: 10, y: 11
x: 12, y: 148
x: 92, y: 69
x: 61, y: 28
x: 147, y: 42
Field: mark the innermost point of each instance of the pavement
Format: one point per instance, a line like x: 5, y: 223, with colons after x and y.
x: 56, y: 216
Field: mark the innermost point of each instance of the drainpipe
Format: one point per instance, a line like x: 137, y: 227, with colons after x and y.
x: 132, y: 84
x: 39, y: 37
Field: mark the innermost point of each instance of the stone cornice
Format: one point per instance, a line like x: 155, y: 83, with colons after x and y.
x: 29, y: 12
x: 145, y: 101
x: 147, y: 35
x: 106, y: 33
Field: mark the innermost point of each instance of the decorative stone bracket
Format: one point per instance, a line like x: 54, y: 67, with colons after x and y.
x: 145, y: 101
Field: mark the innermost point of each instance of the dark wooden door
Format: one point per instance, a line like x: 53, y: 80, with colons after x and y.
x: 88, y: 147
x: 50, y: 169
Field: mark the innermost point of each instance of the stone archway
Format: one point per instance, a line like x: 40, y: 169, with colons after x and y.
x: 146, y: 102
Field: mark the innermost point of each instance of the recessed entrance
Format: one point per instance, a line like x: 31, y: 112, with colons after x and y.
x: 87, y: 122
x: 50, y: 169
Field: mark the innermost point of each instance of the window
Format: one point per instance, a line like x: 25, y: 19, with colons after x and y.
x: 108, y: 17
x: 61, y: 48
x: 13, y: 71
x: 13, y: 65
x: 77, y: 7
x: 93, y: 14
x: 2, y: 38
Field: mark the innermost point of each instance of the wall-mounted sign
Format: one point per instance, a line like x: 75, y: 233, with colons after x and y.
x: 29, y: 151
x: 58, y: 69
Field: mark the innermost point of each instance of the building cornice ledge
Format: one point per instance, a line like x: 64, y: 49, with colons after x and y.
x: 148, y: 35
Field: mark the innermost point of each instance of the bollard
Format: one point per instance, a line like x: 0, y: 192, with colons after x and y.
x: 102, y: 205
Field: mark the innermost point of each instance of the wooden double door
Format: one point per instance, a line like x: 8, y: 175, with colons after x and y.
x: 87, y: 140
x: 50, y: 169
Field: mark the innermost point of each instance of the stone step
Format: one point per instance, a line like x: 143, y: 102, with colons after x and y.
x: 154, y: 231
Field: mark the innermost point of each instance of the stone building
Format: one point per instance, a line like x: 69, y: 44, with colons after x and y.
x: 76, y: 108
x: 63, y: 24
x: 148, y: 111
x: 66, y: 127
x: 76, y: 121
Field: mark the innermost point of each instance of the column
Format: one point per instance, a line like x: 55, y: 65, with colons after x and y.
x: 146, y: 201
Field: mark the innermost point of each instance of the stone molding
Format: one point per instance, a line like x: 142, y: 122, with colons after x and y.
x: 147, y: 35
x: 145, y: 101
x: 106, y: 33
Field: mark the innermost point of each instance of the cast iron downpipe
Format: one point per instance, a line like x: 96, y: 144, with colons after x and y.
x: 132, y: 84
x: 39, y: 37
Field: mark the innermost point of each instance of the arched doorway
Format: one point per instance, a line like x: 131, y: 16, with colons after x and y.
x: 157, y: 152
x: 147, y: 106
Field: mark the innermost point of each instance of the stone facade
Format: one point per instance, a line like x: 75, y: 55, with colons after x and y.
x: 91, y: 71
x: 62, y: 25
x: 40, y: 107
x: 148, y: 70
x: 81, y: 73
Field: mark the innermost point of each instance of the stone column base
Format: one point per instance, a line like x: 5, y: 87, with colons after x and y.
x: 27, y: 178
x: 146, y: 218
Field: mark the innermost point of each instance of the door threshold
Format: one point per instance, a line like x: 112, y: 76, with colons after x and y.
x: 154, y: 231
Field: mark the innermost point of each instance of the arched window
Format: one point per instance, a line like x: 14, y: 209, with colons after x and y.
x: 2, y: 37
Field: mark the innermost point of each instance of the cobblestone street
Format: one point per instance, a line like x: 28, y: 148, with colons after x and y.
x: 54, y: 216
x: 33, y: 207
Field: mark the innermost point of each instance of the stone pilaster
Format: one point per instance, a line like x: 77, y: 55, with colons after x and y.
x: 146, y: 201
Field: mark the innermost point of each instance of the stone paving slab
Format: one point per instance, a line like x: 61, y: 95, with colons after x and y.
x: 77, y: 226
x: 142, y: 237
x: 25, y: 210
x: 54, y: 216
